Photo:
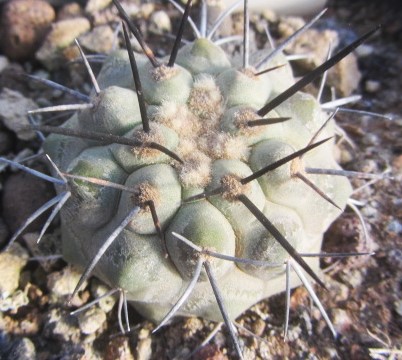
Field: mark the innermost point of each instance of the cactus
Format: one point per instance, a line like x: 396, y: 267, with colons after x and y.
x: 190, y: 182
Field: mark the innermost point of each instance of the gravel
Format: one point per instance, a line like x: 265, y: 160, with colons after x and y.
x: 364, y: 297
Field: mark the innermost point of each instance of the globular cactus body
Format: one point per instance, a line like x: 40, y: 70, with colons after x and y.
x: 200, y: 109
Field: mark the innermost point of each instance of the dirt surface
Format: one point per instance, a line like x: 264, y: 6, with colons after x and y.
x: 365, y: 293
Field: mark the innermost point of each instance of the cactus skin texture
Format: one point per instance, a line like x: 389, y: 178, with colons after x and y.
x: 199, y: 109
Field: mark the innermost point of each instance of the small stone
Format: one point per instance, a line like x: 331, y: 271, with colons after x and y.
x: 146, y: 10
x: 144, y: 349
x: 269, y: 15
x: 3, y: 63
x: 398, y: 307
x: 118, y: 348
x: 332, y: 353
x: 97, y: 290
x: 60, y: 325
x: 70, y: 53
x: 13, y: 112
x: 192, y: 325
x: 96, y: 5
x: 368, y: 211
x: 372, y: 86
x: 395, y: 258
x: 341, y: 320
x: 14, y: 301
x: 364, y: 50
x: 258, y: 327
x: 340, y: 291
x: 395, y: 227
x: 25, y: 23
x: 289, y: 25
x: 68, y: 11
x: 11, y: 264
x: 345, y: 155
x: 307, y: 321
x: 353, y: 277
x: 314, y: 43
x: 99, y: 40
x: 210, y: 352
x: 160, y: 23
x: 22, y: 195
x: 397, y: 165
x: 345, y: 75
x: 91, y: 320
x: 61, y: 285
x: 294, y: 333
x: 61, y: 36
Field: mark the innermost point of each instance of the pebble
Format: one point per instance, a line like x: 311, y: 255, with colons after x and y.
x: 13, y: 112
x: 288, y: 25
x: 60, y: 325
x: 371, y: 140
x: 353, y: 277
x: 294, y: 333
x: 395, y: 226
x: 61, y: 35
x: 397, y: 165
x: 70, y: 10
x: 144, y: 349
x: 345, y: 75
x: 97, y: 290
x: 368, y: 211
x: 398, y: 307
x: 3, y: 63
x: 159, y: 23
x: 258, y: 327
x: 144, y: 12
x: 11, y: 264
x: 22, y: 195
x: 25, y: 23
x: 364, y: 50
x: 118, y: 348
x: 14, y: 301
x: 372, y: 86
x: 212, y: 352
x: 340, y: 291
x: 269, y: 15
x: 314, y: 43
x: 395, y: 258
x: 341, y: 320
x: 61, y: 285
x: 96, y: 5
x: 307, y: 322
x: 99, y: 40
x: 91, y: 320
